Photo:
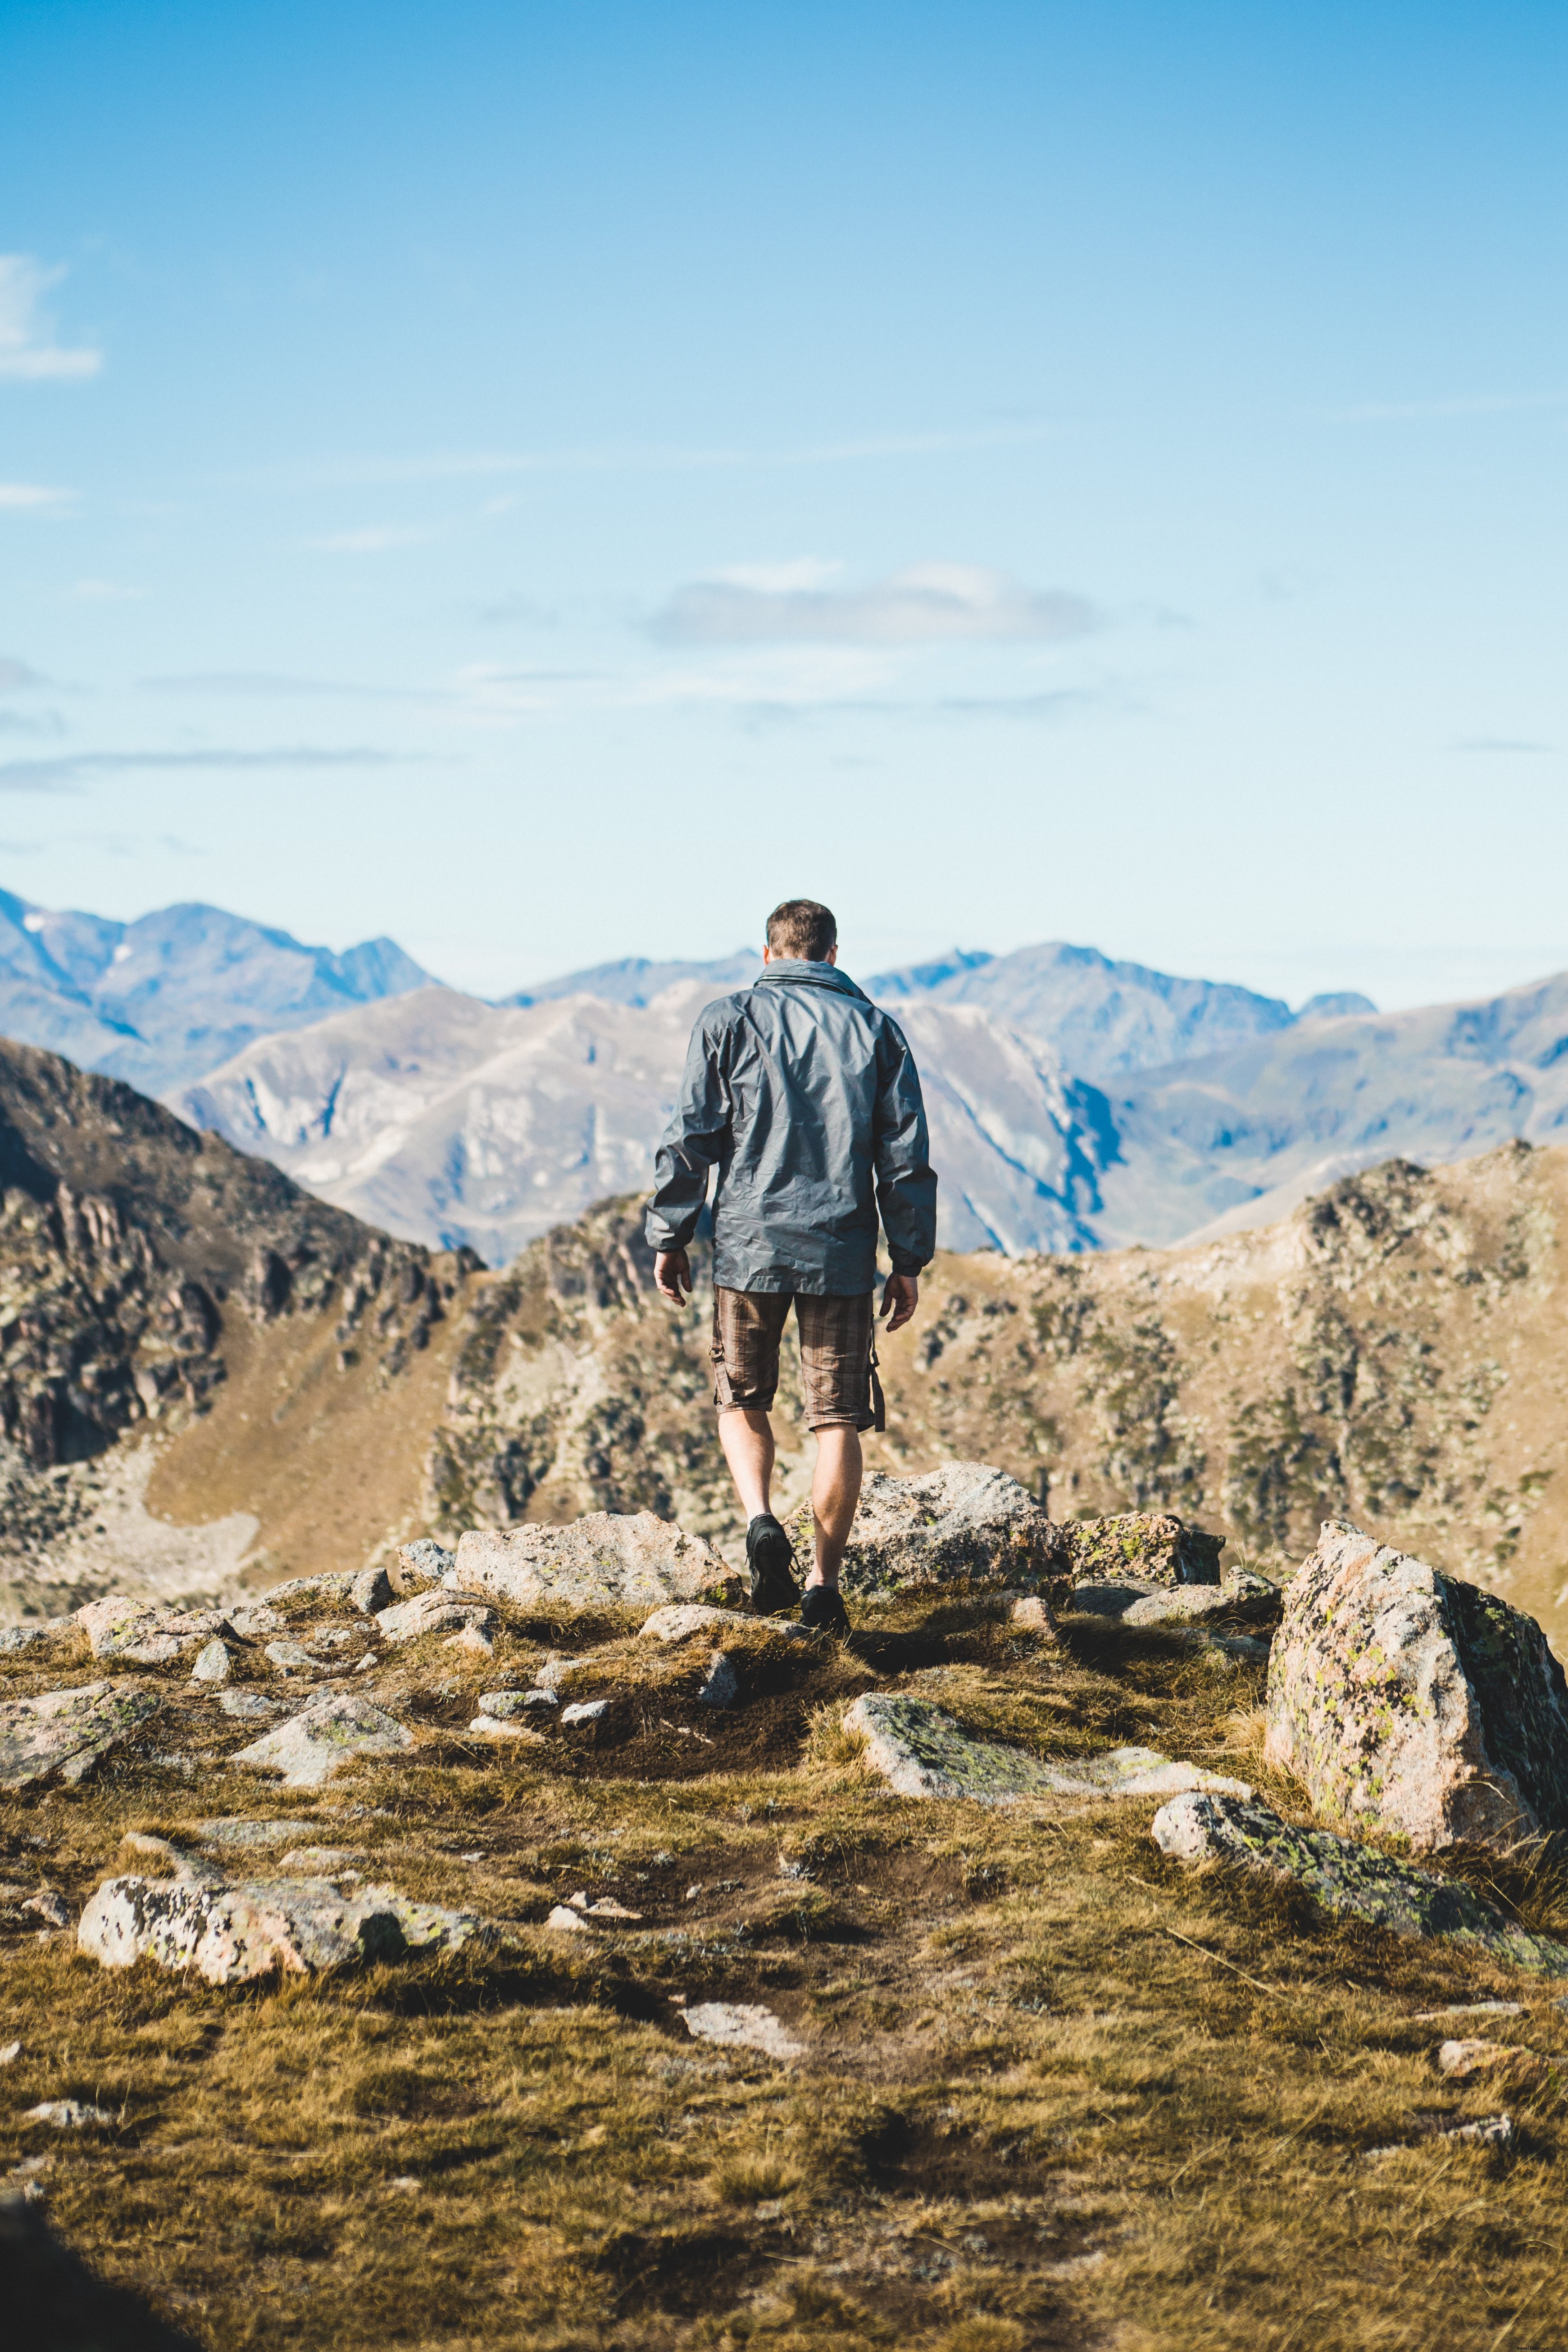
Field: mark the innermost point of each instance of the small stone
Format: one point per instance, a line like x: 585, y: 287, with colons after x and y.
x: 322, y: 1861
x: 68, y: 2114
x: 1179, y: 1604
x: 1152, y: 1545
x: 555, y: 1671
x: 10, y: 2053
x: 406, y: 2183
x: 606, y: 1908
x: 568, y: 1922
x: 473, y: 1637
x: 242, y: 1829
x: 491, y: 1727
x: 69, y: 1732
x: 258, y: 1617
x: 1031, y: 1615
x: 587, y: 1710
x: 723, y: 1686
x: 1468, y: 2009
x: 1350, y: 1879
x: 51, y: 1908
x: 743, y: 2025
x: 1490, y: 2131
x: 214, y: 1663
x: 432, y: 1612
x: 365, y: 1663
x: 371, y: 1592
x: 292, y: 1656
x: 22, y: 1637
x: 247, y: 1705
x: 507, y: 1703
x: 330, y: 1732
x: 425, y: 1561
x: 1458, y: 2060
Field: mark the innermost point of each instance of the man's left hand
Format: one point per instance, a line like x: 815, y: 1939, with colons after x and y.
x: 900, y: 1299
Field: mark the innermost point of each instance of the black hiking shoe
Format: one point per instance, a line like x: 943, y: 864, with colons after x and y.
x: 770, y: 1556
x: 822, y: 1610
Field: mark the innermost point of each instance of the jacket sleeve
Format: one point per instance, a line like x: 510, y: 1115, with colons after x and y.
x: 692, y: 1143
x: 906, y: 1181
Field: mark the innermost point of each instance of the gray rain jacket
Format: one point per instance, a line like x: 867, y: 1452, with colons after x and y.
x: 805, y: 1097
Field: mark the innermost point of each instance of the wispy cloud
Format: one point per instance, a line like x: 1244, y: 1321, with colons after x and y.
x: 22, y: 498
x: 72, y: 769
x: 927, y: 603
x: 15, y: 674
x: 1397, y: 412
x: 377, y: 539
x: 275, y: 686
x: 1502, y: 744
x: 28, y: 352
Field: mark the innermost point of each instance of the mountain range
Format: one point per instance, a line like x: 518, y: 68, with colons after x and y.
x: 1077, y: 1102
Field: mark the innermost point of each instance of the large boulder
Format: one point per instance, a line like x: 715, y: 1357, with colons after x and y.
x: 334, y: 1730
x: 66, y: 1732
x: 921, y: 1751
x: 605, y: 1560
x: 142, y: 1634
x: 260, y: 1927
x: 1150, y: 1546
x: 965, y: 1523
x: 1403, y: 1698
x: 1353, y: 1880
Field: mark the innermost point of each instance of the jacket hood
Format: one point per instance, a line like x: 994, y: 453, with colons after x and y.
x: 797, y: 971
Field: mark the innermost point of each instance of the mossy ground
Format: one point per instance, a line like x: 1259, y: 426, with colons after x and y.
x: 1057, y: 2091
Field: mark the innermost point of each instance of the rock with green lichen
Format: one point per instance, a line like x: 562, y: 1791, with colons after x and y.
x: 65, y: 1733
x: 1154, y: 1547
x: 230, y: 1934
x: 966, y: 1523
x: 921, y: 1751
x: 604, y: 1559
x: 1403, y: 1697
x: 310, y: 1746
x: 1350, y: 1879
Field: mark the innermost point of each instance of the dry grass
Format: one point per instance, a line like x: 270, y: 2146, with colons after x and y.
x: 1057, y: 2091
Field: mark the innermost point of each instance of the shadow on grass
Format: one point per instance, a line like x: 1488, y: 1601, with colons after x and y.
x: 54, y: 2299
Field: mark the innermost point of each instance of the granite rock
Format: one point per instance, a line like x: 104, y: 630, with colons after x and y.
x: 140, y: 1635
x: 1403, y: 1697
x: 504, y: 1705
x: 966, y: 1522
x: 214, y: 1663
x: 605, y: 1560
x: 230, y: 1934
x: 332, y: 1731
x: 722, y: 1684
x: 371, y: 1592
x: 681, y: 1620
x: 742, y: 2025
x: 1349, y: 1879
x: 67, y: 1732
x: 1155, y: 1546
x: 921, y: 1751
x: 432, y: 1612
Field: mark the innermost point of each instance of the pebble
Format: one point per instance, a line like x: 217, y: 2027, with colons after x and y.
x: 292, y: 1656
x: 723, y: 1686
x: 247, y: 1705
x: 67, y: 2114
x: 10, y: 2053
x: 553, y: 1671
x: 1468, y: 2009
x: 743, y: 2025
x: 505, y: 1702
x: 587, y: 1710
x: 52, y: 1908
x: 214, y: 1663
x: 568, y: 1922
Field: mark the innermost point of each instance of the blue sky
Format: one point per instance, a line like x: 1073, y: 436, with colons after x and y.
x: 544, y: 483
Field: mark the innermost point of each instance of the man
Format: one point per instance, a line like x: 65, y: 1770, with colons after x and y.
x: 805, y: 1098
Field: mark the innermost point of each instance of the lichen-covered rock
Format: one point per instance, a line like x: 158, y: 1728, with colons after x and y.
x: 370, y: 1590
x: 1404, y: 1697
x: 965, y: 1523
x: 419, y: 1564
x: 540, y: 1704
x: 1155, y: 1546
x: 214, y: 1663
x: 332, y: 1731
x: 23, y: 1637
x: 605, y: 1560
x: 682, y: 1619
x: 143, y: 1635
x: 431, y: 1612
x: 67, y: 1732
x: 229, y: 1933
x: 921, y: 1751
x: 1350, y: 1879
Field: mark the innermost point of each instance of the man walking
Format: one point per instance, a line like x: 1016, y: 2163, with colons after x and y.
x: 806, y: 1099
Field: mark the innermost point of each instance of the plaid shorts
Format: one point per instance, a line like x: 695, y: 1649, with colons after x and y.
x: 836, y: 1354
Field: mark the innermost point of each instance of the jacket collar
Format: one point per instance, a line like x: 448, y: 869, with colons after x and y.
x: 796, y: 971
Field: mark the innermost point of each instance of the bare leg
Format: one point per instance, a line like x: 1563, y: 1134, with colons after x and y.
x: 834, y: 1491
x: 747, y: 1438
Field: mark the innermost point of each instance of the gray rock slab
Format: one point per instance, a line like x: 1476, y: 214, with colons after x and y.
x: 423, y: 1563
x: 68, y: 2114
x: 680, y: 1620
x: 1111, y: 1597
x: 921, y: 1751
x: 432, y: 1612
x: 555, y: 1671
x: 240, y: 1829
x: 248, y: 1706
x: 310, y: 1746
x: 1350, y: 1879
x: 257, y: 1618
x: 23, y: 1637
x: 336, y: 1585
x: 743, y: 2025
x: 229, y: 1933
x: 606, y: 1560
x: 214, y: 1663
x: 503, y: 1704
x: 291, y: 1656
x: 586, y: 1711
x: 1155, y: 1546
x: 371, y: 1592
x: 966, y: 1522
x: 67, y: 1732
x: 140, y: 1635
x: 1404, y: 1699
x: 510, y: 1726
x: 721, y: 1686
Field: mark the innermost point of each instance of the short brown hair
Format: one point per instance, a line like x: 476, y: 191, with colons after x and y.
x: 799, y: 926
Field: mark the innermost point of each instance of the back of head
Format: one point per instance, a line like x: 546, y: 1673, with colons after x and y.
x: 799, y: 928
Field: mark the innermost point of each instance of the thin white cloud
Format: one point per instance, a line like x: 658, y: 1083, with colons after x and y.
x: 28, y: 352
x: 279, y: 686
x: 1400, y: 412
x: 71, y: 768
x: 18, y: 497
x: 1502, y: 744
x: 15, y: 674
x: 374, y: 541
x: 926, y: 604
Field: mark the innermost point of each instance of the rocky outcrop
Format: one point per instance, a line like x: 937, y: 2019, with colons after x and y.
x: 66, y: 1733
x: 681, y: 1620
x: 1350, y: 1879
x: 332, y: 1731
x: 606, y: 1561
x: 921, y: 1751
x: 140, y: 1635
x: 1155, y: 1547
x: 1405, y: 1698
x: 966, y: 1523
x: 259, y: 1927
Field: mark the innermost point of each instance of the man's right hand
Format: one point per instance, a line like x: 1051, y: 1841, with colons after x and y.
x: 900, y: 1299
x: 672, y: 1276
